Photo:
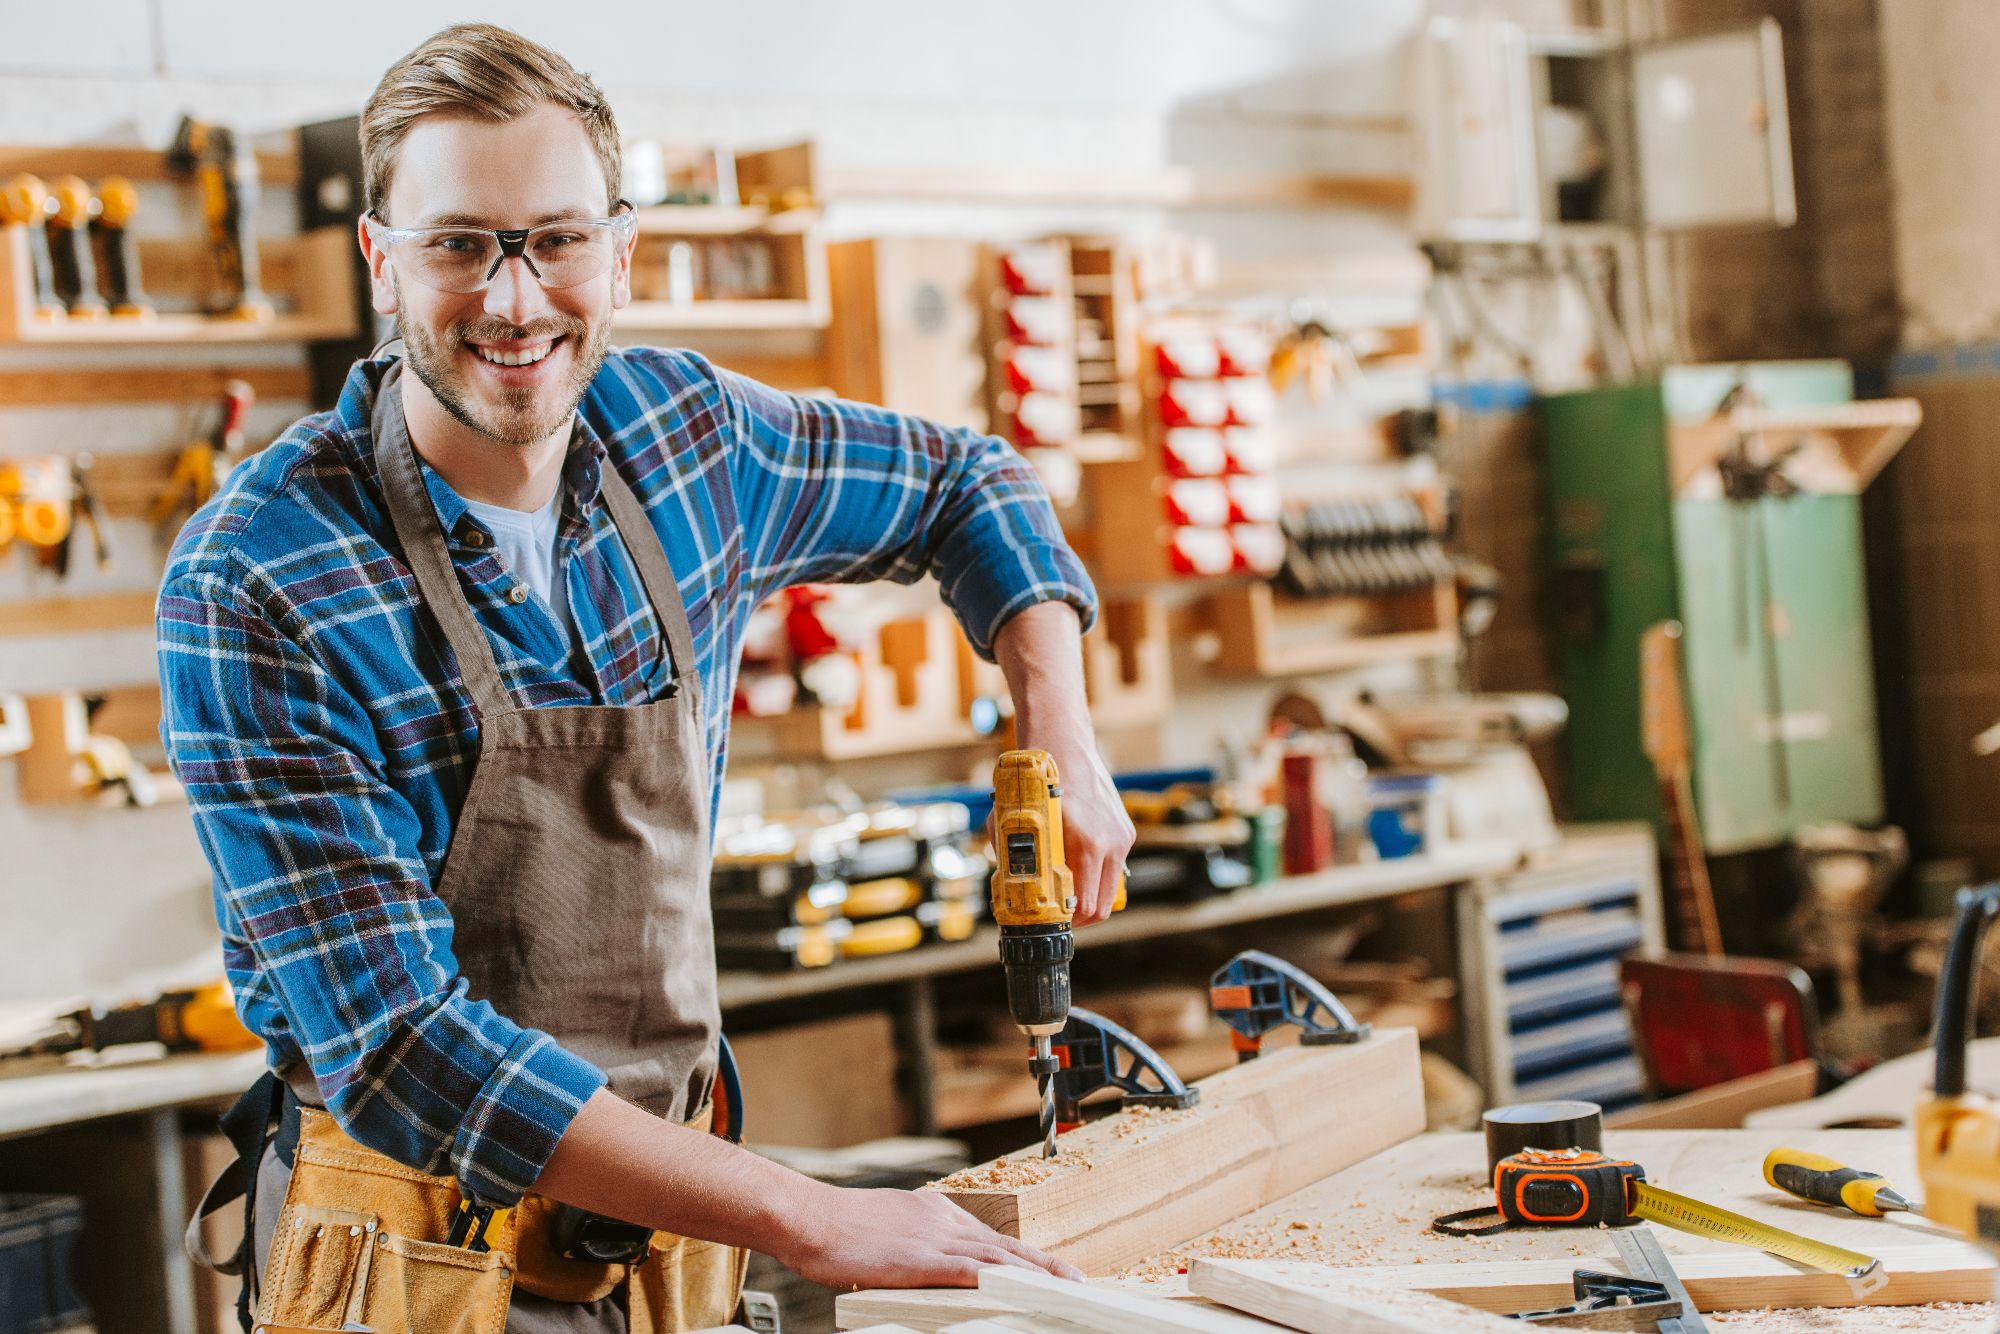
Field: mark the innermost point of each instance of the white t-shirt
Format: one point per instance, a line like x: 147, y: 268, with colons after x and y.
x: 528, y: 541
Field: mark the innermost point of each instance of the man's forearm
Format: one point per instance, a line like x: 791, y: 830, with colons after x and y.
x: 1041, y: 652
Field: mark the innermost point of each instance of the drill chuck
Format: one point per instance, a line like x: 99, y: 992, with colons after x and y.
x: 1036, y: 961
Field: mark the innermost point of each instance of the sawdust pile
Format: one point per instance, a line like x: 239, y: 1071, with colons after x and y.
x: 1015, y: 1173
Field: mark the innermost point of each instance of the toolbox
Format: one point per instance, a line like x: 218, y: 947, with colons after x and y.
x: 38, y: 1234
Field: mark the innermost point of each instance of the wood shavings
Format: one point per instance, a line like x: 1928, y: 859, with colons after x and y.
x: 1012, y: 1174
x: 1936, y: 1318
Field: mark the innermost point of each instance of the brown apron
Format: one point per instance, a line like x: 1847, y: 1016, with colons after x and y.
x: 577, y: 884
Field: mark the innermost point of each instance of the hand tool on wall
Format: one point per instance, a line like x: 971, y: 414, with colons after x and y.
x: 1033, y: 901
x: 116, y: 253
x: 1664, y: 737
x: 85, y: 506
x: 37, y: 491
x: 225, y: 171
x: 1822, y: 1180
x: 205, y: 464
x: 1095, y: 1053
x: 70, y: 260
x: 1256, y: 992
x: 26, y: 201
x: 203, y: 1019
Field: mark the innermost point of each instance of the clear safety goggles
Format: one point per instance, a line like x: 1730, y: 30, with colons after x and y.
x: 465, y: 259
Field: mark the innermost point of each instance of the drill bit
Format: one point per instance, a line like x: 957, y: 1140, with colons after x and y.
x: 1045, y: 1082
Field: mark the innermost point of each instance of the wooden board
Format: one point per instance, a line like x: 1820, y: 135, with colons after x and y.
x: 1723, y: 1106
x: 44, y: 386
x: 1322, y: 1300
x: 139, y: 164
x: 1377, y: 1214
x: 1108, y: 1311
x: 1142, y: 1181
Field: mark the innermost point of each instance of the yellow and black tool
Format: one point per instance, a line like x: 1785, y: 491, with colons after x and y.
x: 225, y: 171
x: 1034, y: 899
x: 203, y: 1019
x: 70, y: 259
x: 26, y: 200
x: 1958, y: 1129
x: 117, y: 254
x: 1815, y: 1177
x: 204, y: 465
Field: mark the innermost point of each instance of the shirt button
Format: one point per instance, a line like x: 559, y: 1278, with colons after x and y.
x: 517, y: 595
x: 475, y: 538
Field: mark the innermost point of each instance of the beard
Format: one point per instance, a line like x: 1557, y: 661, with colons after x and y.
x: 522, y: 416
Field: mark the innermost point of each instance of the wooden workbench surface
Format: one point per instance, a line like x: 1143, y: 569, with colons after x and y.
x: 1378, y: 1212
x: 42, y: 1093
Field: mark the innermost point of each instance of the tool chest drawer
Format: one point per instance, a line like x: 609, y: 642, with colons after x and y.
x: 1538, y: 960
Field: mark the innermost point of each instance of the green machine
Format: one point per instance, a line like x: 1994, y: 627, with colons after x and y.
x: 1769, y: 591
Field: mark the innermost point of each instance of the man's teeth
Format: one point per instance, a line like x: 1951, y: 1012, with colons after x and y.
x: 514, y: 358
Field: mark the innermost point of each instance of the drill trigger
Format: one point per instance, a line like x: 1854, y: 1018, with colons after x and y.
x: 1256, y: 992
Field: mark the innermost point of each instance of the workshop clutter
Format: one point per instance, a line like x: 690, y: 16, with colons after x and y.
x: 38, y: 1236
x: 77, y: 747
x: 82, y: 258
x: 805, y: 890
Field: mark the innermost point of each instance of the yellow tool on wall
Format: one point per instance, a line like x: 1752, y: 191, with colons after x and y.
x: 1958, y: 1129
x: 205, y: 464
x: 203, y: 1019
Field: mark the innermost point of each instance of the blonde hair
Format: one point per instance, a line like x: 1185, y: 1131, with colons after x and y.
x: 477, y: 69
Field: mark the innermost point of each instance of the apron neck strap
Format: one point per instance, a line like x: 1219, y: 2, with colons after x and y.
x: 642, y: 543
x: 417, y: 528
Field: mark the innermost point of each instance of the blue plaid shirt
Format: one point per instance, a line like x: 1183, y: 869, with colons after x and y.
x: 326, y: 739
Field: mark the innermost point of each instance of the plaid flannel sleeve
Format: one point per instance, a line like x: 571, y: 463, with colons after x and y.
x: 838, y: 492
x: 338, y: 948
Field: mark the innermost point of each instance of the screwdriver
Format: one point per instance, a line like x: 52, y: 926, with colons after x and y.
x: 1820, y: 1179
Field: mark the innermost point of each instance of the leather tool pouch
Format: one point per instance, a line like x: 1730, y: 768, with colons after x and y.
x: 351, y: 1245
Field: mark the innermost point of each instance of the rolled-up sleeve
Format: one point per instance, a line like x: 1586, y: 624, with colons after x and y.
x: 839, y: 492
x: 340, y: 952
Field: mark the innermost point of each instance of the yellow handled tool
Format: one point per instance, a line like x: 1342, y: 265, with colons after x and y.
x: 1815, y: 1177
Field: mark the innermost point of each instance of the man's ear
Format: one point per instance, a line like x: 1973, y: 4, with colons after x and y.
x: 621, y: 273
x: 381, y: 291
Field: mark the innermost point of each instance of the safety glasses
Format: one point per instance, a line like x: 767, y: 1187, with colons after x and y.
x: 465, y: 259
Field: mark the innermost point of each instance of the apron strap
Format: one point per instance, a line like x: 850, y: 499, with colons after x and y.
x: 642, y: 543
x: 422, y: 536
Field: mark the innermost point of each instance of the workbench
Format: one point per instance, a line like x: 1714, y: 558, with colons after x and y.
x: 48, y: 1095
x: 1376, y: 1214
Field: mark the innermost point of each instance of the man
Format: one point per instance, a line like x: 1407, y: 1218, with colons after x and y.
x: 448, y: 675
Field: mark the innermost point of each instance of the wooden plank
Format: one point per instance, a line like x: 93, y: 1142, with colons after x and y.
x: 925, y: 1310
x: 1109, y: 1311
x: 62, y: 616
x: 146, y: 384
x: 1320, y: 1299
x: 138, y: 164
x: 1133, y: 1184
x: 1723, y: 1106
x: 1171, y: 187
x: 1377, y: 1214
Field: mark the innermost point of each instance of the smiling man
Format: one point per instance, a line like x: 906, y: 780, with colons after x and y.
x: 448, y: 673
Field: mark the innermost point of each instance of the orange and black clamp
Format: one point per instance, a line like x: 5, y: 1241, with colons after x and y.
x: 1256, y: 992
x: 1093, y: 1053
x: 1822, y: 1180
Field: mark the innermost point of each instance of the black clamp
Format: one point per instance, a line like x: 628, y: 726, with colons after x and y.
x: 1256, y: 992
x: 1633, y: 1300
x: 1095, y: 1053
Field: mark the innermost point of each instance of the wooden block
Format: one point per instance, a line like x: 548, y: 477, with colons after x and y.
x: 1723, y: 1106
x: 820, y: 1086
x: 918, y: 683
x: 1139, y: 1182
x: 1125, y: 664
x: 925, y: 1310
x: 1263, y: 634
x: 62, y: 616
x: 906, y: 330
x: 1734, y: 1281
x: 1109, y: 1311
x: 1320, y: 1299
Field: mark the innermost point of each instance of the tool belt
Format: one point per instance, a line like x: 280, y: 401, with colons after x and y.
x: 364, y: 1239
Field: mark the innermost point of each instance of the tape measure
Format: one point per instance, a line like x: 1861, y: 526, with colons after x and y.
x: 1583, y: 1188
x: 1864, y: 1273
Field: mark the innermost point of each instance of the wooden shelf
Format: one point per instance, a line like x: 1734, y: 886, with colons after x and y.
x: 1169, y: 187
x: 63, y: 616
x: 1840, y: 447
x: 1265, y: 635
x: 139, y: 164
x: 667, y: 315
x: 323, y: 295
x: 1449, y: 865
x: 722, y: 220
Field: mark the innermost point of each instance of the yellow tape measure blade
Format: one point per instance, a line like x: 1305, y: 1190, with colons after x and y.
x: 1864, y: 1273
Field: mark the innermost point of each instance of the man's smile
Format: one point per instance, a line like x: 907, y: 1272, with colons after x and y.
x: 515, y: 352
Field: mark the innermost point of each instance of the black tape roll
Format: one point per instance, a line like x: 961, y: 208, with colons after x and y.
x: 1542, y: 1125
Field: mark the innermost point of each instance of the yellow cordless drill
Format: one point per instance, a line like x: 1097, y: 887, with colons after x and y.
x: 1034, y: 899
x: 1958, y: 1127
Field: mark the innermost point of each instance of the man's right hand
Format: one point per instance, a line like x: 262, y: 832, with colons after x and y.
x: 621, y: 1162
x: 903, y: 1239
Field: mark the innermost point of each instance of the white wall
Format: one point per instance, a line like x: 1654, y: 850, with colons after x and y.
x: 1943, y: 105
x: 1106, y: 86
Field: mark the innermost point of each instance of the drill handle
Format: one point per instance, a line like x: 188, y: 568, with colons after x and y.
x: 1958, y: 984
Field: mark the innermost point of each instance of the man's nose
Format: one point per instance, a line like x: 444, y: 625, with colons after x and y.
x: 515, y: 294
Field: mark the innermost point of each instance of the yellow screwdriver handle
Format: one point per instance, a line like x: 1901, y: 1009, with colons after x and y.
x: 1823, y: 1180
